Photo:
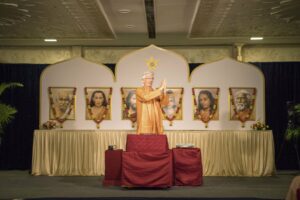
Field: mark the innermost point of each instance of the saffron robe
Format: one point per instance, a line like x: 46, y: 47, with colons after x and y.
x: 149, y: 113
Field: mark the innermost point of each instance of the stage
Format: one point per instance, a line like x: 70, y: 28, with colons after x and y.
x: 22, y: 185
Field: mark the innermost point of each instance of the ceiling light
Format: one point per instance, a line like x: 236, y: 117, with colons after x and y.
x: 124, y: 11
x: 256, y: 38
x: 130, y: 26
x: 284, y: 1
x: 50, y: 40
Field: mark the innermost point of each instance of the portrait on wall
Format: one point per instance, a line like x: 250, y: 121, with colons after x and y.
x: 242, y: 103
x: 62, y: 103
x: 206, y: 104
x: 129, y: 104
x: 173, y: 111
x: 98, y: 103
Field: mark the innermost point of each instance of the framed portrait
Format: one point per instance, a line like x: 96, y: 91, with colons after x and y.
x: 98, y: 103
x: 206, y: 103
x: 129, y: 103
x: 62, y: 103
x: 242, y: 103
x: 173, y: 111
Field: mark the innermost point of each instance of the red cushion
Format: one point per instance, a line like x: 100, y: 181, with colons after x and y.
x: 147, y: 143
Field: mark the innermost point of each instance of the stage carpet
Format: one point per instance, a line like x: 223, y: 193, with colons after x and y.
x: 21, y: 185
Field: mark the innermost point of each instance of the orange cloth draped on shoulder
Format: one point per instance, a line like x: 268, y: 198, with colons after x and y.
x: 149, y: 113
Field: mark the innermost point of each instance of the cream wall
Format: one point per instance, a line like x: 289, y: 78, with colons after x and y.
x: 196, y: 54
x: 271, y: 53
x: 34, y: 55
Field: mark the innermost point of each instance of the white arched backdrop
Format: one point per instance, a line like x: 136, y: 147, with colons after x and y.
x: 224, y: 74
x: 77, y: 73
x: 79, y: 148
x: 171, y: 66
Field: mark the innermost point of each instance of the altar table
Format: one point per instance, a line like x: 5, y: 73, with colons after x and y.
x: 82, y: 152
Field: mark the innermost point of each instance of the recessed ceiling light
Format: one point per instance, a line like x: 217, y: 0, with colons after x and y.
x: 284, y: 1
x: 130, y: 26
x: 124, y: 11
x: 50, y: 40
x: 256, y: 38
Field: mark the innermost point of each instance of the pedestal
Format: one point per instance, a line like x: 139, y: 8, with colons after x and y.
x: 113, y: 167
x: 147, y: 162
x: 187, y: 166
x: 142, y: 169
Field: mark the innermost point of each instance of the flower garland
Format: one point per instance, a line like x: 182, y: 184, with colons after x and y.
x: 51, y: 124
x: 236, y: 114
x: 258, y: 125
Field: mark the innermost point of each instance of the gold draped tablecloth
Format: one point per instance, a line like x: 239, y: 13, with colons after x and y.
x: 224, y: 153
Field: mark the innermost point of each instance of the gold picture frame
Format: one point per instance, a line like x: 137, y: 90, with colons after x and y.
x: 242, y: 103
x: 173, y: 111
x: 206, y: 104
x: 62, y: 103
x: 98, y: 104
x: 129, y: 104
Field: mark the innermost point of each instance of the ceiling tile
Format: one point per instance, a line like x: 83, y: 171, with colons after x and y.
x: 55, y: 19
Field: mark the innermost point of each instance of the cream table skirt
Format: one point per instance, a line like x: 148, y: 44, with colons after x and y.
x: 224, y: 153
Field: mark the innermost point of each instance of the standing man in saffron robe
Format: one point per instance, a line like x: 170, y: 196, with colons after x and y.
x: 148, y: 104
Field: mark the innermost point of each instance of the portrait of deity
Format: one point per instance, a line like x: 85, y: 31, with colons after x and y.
x: 98, y: 103
x: 129, y: 103
x: 242, y: 104
x: 62, y: 103
x: 206, y: 104
x: 173, y: 111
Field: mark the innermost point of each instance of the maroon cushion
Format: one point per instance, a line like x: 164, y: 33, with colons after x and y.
x: 298, y: 194
x: 147, y: 143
